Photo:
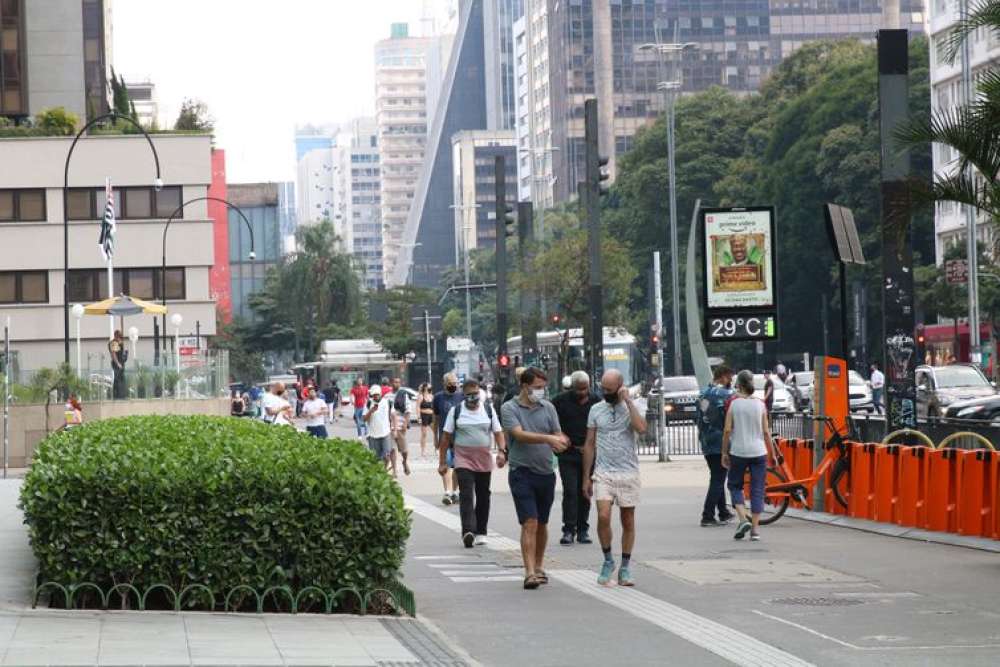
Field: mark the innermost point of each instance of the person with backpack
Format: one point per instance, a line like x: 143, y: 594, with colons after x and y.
x: 471, y: 428
x: 711, y: 418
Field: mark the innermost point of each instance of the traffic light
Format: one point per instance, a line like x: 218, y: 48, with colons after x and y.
x: 921, y: 342
x: 602, y: 175
x: 517, y: 360
x: 655, y: 341
x: 556, y: 319
x: 503, y: 360
x: 509, y: 221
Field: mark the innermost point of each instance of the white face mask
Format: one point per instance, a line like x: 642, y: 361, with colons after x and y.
x: 537, y: 395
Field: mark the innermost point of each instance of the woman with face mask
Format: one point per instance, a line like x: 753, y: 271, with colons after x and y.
x: 470, y: 430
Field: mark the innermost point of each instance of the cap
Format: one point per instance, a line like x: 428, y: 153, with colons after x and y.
x: 375, y: 390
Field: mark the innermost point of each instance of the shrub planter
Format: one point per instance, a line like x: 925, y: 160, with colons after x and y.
x: 214, y: 513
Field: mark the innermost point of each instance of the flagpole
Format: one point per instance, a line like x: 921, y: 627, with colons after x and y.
x: 111, y: 270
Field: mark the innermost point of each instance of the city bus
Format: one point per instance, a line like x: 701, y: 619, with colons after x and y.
x: 620, y: 352
x: 345, y: 360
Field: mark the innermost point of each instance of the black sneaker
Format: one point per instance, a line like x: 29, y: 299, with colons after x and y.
x: 584, y: 538
x: 710, y: 523
x: 468, y: 540
x: 567, y: 538
x: 728, y: 518
x: 743, y: 529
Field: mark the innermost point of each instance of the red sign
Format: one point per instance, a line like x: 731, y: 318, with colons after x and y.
x: 956, y: 271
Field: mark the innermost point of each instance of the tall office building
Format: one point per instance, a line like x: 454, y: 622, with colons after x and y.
x: 55, y: 53
x: 359, y: 175
x: 261, y: 204
x: 568, y: 52
x: 474, y: 154
x: 946, y: 94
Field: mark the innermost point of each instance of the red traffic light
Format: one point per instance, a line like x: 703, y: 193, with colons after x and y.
x: 556, y: 319
x: 503, y: 360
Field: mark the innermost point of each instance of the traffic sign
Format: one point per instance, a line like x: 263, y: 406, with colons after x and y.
x: 956, y: 271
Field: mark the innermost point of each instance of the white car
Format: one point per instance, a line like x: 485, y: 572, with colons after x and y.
x: 859, y: 393
x: 782, y: 397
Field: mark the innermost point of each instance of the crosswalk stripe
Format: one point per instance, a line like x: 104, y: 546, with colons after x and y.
x: 494, y: 541
x: 723, y: 641
x: 500, y: 578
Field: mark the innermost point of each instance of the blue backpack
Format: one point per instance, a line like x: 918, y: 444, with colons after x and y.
x: 711, y: 413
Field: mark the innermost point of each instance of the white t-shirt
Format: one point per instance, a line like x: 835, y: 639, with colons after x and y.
x: 282, y: 418
x: 269, y: 402
x: 378, y: 424
x: 747, y: 437
x: 314, y: 410
x: 878, y: 380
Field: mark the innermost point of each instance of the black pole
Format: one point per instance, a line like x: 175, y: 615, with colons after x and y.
x: 500, y: 175
x: 593, y: 205
x: 529, y: 314
x: 158, y: 183
x: 845, y: 338
x: 156, y: 341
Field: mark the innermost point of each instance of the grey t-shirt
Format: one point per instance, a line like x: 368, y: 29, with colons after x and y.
x: 615, y: 441
x: 538, y: 418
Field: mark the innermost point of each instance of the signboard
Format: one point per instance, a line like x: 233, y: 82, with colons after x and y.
x: 956, y: 271
x: 739, y: 274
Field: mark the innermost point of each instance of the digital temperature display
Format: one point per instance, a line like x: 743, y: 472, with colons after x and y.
x: 745, y: 326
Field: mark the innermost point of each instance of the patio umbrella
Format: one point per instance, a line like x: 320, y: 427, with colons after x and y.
x: 124, y: 305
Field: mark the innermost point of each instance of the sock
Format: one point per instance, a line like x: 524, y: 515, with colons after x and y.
x: 625, y: 559
x: 607, y: 554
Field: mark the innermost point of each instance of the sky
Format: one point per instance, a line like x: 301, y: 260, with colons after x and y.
x: 261, y: 66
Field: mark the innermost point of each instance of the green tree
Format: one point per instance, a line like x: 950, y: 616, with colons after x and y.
x: 122, y: 103
x: 57, y: 122
x: 194, y: 116
x: 246, y: 365
x: 397, y: 334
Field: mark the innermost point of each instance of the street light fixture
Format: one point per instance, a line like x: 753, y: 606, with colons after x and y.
x: 670, y: 88
x: 157, y: 185
x: 163, y: 266
x: 78, y: 312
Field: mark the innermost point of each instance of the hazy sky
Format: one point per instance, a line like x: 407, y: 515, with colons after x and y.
x: 261, y: 66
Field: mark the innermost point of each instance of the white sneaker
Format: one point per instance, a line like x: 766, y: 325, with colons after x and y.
x: 480, y: 540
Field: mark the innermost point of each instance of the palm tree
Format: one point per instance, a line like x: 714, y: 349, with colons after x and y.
x: 973, y: 130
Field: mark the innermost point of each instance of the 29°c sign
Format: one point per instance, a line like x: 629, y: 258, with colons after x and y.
x: 739, y: 274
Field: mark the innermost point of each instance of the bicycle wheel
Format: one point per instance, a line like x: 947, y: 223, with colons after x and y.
x: 841, y: 472
x: 774, y: 504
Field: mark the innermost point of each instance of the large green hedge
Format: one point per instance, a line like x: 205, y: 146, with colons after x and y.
x: 216, y: 501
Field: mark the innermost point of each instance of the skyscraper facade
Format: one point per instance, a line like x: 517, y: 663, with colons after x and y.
x: 362, y: 178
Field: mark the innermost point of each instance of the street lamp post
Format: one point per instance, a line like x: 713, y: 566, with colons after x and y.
x: 667, y: 51
x: 536, y: 198
x: 177, y: 320
x: 157, y: 184
x: 78, y: 311
x: 163, y: 267
x: 465, y: 260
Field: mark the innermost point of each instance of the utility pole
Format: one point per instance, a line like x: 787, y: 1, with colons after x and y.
x: 657, y: 314
x: 972, y: 249
x: 592, y: 206
x: 525, y: 251
x: 504, y: 218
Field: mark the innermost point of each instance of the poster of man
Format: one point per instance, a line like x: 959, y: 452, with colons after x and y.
x: 739, y: 258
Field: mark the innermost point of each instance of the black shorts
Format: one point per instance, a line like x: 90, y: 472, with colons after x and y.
x: 426, y: 420
x: 533, y: 494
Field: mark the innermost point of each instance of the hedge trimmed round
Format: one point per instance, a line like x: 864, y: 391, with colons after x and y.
x: 210, y: 504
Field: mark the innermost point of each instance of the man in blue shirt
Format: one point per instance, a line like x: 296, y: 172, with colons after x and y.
x: 443, y: 402
x: 711, y: 419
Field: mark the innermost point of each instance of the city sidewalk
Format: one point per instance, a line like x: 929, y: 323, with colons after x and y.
x: 59, y: 637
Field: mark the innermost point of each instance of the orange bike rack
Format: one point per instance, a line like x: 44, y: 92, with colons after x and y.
x: 861, y: 504
x: 977, y: 493
x: 912, y: 510
x: 942, y: 490
x: 886, y: 483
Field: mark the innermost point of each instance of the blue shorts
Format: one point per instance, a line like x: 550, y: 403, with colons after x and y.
x: 533, y: 494
x: 317, y: 431
x: 380, y: 447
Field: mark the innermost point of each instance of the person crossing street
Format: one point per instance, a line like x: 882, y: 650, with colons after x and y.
x: 612, y: 427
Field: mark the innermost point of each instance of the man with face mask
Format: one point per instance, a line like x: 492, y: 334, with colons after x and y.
x: 711, y: 422
x: 469, y: 431
x: 573, y: 407
x: 611, y: 449
x: 443, y: 402
x: 535, y: 436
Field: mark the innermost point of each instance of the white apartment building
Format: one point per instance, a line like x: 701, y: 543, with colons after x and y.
x: 359, y: 177
x: 946, y: 93
x: 321, y: 194
x: 147, y: 107
x: 533, y: 106
x: 31, y: 226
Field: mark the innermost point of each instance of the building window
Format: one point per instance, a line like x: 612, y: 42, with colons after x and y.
x: 143, y: 283
x: 130, y: 203
x: 12, y: 98
x: 24, y: 287
x: 22, y: 205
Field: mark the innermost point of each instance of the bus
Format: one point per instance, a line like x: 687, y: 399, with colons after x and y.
x: 620, y: 352
x: 344, y: 360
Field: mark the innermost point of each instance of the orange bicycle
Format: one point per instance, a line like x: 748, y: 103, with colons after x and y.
x: 781, y: 488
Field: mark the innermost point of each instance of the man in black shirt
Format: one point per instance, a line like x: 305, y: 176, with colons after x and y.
x: 573, y: 407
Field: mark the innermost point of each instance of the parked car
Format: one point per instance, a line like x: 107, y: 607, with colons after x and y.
x: 680, y: 397
x: 800, y: 385
x: 859, y: 393
x: 979, y: 409
x: 938, y: 387
x: 783, y: 401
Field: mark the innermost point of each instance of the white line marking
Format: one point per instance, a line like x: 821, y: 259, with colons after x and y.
x: 494, y: 541
x: 817, y: 633
x: 460, y: 566
x: 451, y: 557
x: 467, y: 580
x: 723, y: 641
x: 491, y: 571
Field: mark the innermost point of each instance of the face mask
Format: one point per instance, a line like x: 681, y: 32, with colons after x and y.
x: 472, y: 400
x: 537, y: 395
x: 451, y: 389
x: 611, y: 398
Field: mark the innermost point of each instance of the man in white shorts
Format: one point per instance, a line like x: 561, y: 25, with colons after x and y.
x: 612, y: 426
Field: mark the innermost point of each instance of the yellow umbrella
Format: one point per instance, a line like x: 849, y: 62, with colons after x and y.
x: 124, y: 305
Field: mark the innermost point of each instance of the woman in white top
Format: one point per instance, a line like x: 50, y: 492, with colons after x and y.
x: 746, y: 444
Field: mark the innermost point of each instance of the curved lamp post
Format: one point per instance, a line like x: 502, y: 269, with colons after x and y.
x: 176, y: 212
x: 157, y: 184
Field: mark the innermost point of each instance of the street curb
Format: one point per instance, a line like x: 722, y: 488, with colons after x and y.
x: 892, y: 530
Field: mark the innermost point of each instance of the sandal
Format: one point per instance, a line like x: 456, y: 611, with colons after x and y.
x: 542, y: 577
x: 531, y: 582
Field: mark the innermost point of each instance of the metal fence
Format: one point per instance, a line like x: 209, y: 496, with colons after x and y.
x: 681, y: 437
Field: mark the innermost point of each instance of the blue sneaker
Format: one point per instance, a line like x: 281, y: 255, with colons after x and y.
x: 606, y: 569
x: 625, y: 576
